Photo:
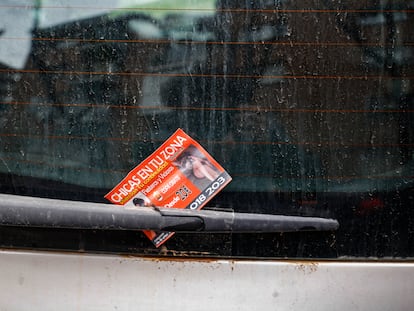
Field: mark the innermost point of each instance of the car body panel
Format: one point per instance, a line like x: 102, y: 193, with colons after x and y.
x: 73, y: 281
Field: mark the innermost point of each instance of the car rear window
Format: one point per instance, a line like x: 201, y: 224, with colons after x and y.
x: 308, y: 106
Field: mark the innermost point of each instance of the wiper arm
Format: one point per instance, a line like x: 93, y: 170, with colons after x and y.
x: 36, y: 212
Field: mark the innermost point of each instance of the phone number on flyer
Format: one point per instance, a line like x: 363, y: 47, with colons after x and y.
x: 209, y: 192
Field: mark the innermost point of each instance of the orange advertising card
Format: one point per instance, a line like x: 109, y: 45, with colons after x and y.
x: 179, y: 174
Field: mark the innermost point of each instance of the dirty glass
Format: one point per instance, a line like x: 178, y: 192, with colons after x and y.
x: 307, y: 104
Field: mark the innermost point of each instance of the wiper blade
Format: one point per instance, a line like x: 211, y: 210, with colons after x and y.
x: 50, y: 213
x: 220, y: 221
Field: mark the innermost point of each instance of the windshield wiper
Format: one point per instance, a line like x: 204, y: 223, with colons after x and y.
x: 49, y: 213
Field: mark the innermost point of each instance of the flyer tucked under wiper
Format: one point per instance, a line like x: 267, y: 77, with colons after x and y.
x: 179, y: 174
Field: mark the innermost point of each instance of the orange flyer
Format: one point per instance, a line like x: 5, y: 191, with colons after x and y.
x: 179, y: 174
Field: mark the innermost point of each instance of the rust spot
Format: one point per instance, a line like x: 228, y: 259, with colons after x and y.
x: 180, y: 258
x: 307, y: 267
x: 164, y: 254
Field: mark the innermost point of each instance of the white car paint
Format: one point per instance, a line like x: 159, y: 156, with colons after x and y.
x: 34, y: 280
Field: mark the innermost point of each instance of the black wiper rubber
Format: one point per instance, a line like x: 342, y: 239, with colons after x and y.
x: 49, y: 213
